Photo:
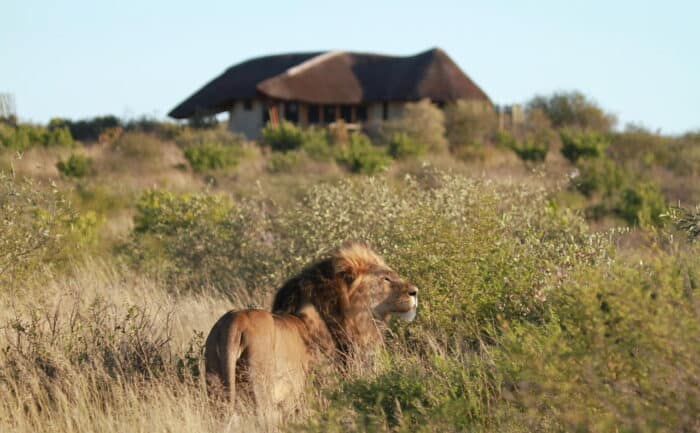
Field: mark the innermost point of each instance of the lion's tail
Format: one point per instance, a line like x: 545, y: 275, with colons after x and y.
x: 229, y: 359
x: 222, y: 350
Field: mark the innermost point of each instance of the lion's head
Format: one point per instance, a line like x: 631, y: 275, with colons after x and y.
x: 353, y: 291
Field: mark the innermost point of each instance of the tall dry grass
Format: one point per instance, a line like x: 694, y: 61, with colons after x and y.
x: 107, y: 350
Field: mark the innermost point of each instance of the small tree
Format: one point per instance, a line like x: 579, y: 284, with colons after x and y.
x: 468, y: 123
x: 421, y: 122
x: 283, y: 137
x: 580, y: 144
x: 573, y: 109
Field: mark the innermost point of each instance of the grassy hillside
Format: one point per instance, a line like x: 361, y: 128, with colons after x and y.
x: 558, y: 267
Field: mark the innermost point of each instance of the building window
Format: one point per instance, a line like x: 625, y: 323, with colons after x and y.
x: 291, y: 111
x: 247, y: 104
x: 346, y: 113
x: 361, y: 112
x: 314, y: 114
x: 385, y: 110
x: 329, y: 113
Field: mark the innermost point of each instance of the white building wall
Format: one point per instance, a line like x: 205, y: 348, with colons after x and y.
x: 246, y: 122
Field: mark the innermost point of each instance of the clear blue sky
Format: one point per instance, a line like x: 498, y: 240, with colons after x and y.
x: 638, y: 59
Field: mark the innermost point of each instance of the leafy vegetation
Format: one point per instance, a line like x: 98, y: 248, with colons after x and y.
x: 76, y: 165
x: 283, y: 137
x: 573, y: 110
x: 212, y: 156
x: 402, y: 146
x: 23, y: 136
x: 580, y: 144
x: 361, y: 156
x: 421, y: 123
x: 38, y: 227
x: 531, y: 148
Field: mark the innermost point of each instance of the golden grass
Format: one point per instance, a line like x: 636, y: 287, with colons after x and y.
x: 91, y: 399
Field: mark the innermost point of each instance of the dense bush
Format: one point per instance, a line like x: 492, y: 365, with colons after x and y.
x: 196, y: 240
x: 578, y: 144
x: 212, y: 156
x: 640, y: 149
x: 457, y: 224
x: 23, y: 136
x: 317, y: 144
x: 361, y: 156
x: 572, y: 109
x: 283, y: 137
x: 420, y: 122
x: 468, y: 123
x: 615, y: 190
x: 533, y: 147
x: 76, y: 165
x: 38, y: 228
x: 401, y: 146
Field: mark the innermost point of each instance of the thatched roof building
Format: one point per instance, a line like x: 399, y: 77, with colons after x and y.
x: 323, y: 86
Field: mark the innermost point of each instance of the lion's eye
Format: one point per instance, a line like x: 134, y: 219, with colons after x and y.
x: 387, y: 279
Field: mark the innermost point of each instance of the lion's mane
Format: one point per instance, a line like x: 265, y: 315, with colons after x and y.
x: 332, y: 287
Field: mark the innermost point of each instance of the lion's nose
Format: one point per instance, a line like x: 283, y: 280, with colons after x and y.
x: 413, y: 292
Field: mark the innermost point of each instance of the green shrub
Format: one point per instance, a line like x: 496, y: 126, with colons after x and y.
x: 283, y: 137
x: 402, y: 146
x: 600, y: 327
x: 38, y: 228
x: 164, y: 212
x: 76, y: 165
x: 200, y: 240
x: 420, y: 122
x: 641, y: 204
x: 533, y: 148
x: 212, y: 156
x: 600, y: 176
x: 24, y: 136
x: 582, y: 144
x: 361, y: 156
x: 615, y: 190
x: 283, y: 162
x: 469, y: 122
x: 317, y: 144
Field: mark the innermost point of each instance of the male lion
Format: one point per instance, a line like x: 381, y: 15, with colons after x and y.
x: 333, y: 309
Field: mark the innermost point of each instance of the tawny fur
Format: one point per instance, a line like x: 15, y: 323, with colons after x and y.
x: 334, y: 309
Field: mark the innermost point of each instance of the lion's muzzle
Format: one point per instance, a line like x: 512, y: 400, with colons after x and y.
x: 411, y: 314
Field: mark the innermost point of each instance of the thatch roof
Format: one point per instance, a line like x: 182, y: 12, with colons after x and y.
x: 335, y: 77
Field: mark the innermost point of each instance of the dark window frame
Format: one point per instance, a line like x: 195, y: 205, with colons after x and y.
x: 291, y: 111
x: 346, y: 113
x: 361, y: 113
x: 329, y: 115
x: 313, y: 114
